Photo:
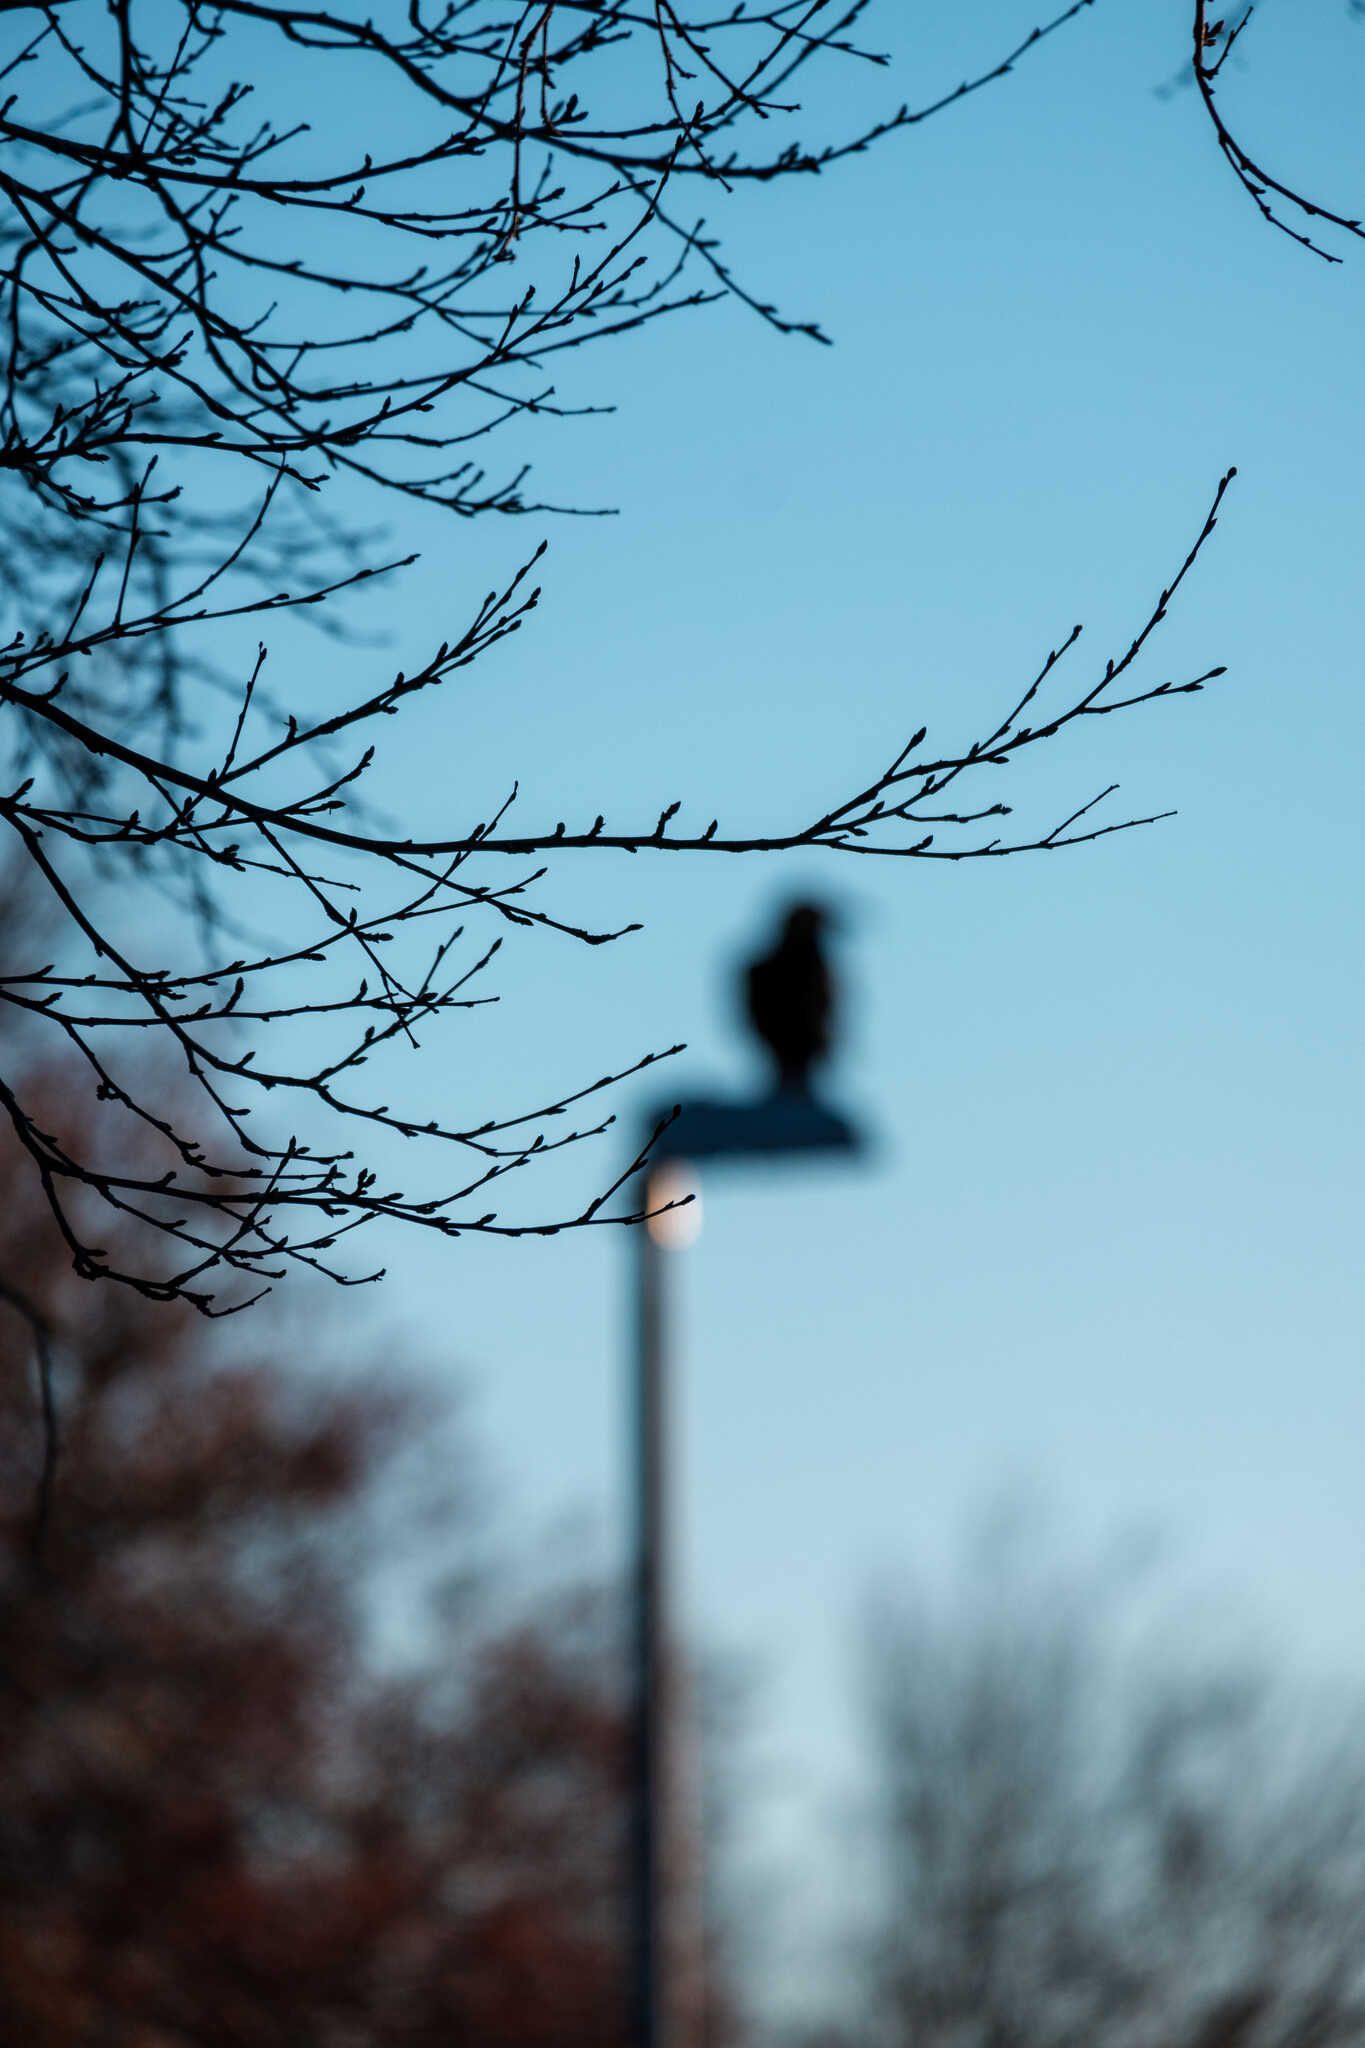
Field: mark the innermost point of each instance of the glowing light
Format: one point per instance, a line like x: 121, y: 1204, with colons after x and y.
x: 674, y: 1229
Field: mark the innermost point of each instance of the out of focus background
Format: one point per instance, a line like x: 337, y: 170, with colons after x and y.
x: 1020, y: 1535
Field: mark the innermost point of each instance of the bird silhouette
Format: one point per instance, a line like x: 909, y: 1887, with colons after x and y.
x: 790, y: 997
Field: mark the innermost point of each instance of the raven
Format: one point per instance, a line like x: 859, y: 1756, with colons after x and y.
x: 789, y: 996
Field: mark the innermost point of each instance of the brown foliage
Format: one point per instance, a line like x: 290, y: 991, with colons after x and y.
x: 220, y: 1826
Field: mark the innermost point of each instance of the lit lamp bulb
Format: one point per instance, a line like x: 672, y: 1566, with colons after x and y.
x: 673, y: 1229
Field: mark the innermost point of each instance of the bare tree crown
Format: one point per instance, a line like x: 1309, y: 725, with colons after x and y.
x: 219, y: 304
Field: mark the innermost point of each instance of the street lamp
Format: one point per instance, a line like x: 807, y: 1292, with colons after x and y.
x: 788, y: 1121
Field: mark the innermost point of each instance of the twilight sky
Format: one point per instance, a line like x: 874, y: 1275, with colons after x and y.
x: 1109, y: 1247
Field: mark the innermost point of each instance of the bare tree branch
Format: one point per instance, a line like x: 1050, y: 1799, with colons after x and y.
x: 1280, y: 204
x: 215, y: 312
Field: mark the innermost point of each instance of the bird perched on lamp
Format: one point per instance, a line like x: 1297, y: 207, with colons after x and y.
x: 790, y: 997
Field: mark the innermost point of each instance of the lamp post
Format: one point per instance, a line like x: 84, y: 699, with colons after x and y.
x: 785, y: 1123
x: 651, y: 1778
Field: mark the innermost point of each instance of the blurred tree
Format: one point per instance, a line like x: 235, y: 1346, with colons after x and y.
x: 1082, y: 1844
x: 220, y: 1825
x: 216, y: 306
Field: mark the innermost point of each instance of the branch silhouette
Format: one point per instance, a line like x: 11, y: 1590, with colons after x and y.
x: 1283, y: 206
x: 218, y: 312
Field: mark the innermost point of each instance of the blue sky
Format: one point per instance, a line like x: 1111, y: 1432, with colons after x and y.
x: 1109, y: 1247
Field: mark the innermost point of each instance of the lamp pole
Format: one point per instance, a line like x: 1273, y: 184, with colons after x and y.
x: 664, y: 2008
x: 790, y: 1000
x: 649, y: 1748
